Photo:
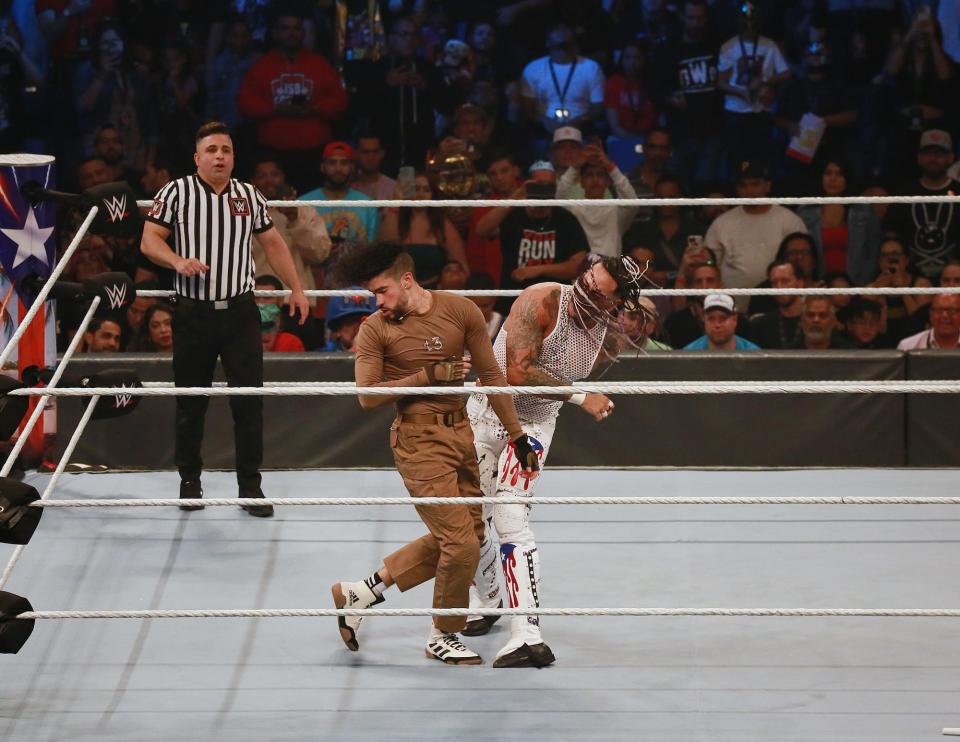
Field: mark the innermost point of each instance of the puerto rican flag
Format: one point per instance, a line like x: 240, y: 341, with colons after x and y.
x: 27, y: 248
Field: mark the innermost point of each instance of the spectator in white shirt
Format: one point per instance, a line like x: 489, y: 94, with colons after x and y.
x: 562, y: 88
x: 944, y: 329
x: 604, y: 224
x: 751, y: 67
x: 746, y: 238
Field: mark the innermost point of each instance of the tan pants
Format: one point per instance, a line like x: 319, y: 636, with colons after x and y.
x: 439, y: 461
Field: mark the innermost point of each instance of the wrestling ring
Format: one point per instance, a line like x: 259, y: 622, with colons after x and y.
x: 728, y: 587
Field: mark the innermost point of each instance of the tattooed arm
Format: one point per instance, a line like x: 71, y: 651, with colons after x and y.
x: 531, y: 319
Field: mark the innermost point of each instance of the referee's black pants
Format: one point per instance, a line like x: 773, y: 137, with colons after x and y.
x: 201, y: 333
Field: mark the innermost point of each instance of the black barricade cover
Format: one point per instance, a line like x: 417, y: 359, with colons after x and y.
x: 116, y: 291
x: 18, y: 521
x: 114, y: 405
x: 117, y: 213
x: 14, y: 632
x: 12, y: 409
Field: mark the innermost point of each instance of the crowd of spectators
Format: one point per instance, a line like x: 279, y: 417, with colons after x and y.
x: 348, y: 100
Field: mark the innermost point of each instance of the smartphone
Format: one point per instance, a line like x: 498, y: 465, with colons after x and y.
x: 694, y: 244
x: 541, y: 190
x: 406, y: 185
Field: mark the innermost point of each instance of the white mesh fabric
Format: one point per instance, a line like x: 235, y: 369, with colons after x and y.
x: 568, y: 355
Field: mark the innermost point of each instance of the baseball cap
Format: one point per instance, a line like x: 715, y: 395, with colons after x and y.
x: 568, y: 134
x: 269, y: 315
x: 339, y: 307
x: 936, y: 138
x: 541, y: 165
x: 719, y: 301
x: 341, y: 149
x: 752, y: 169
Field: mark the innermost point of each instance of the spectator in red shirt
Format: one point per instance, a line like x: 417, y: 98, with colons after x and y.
x: 274, y: 340
x: 293, y: 95
x: 630, y: 112
x: 483, y: 253
x: 69, y: 25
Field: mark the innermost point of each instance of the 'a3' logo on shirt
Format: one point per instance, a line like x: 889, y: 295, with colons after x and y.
x: 432, y: 344
x: 239, y: 206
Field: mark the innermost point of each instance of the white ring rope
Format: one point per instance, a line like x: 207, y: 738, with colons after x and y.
x: 936, y: 386
x: 61, y: 466
x: 502, y: 500
x: 35, y: 416
x: 332, y: 612
x: 652, y: 202
x: 45, y: 394
x: 851, y: 291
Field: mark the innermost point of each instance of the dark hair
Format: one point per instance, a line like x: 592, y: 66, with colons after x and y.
x: 269, y: 280
x: 163, y: 160
x: 266, y: 155
x: 831, y: 276
x: 105, y: 127
x: 669, y: 178
x: 210, y: 128
x: 142, y: 342
x: 97, y: 322
x: 501, y: 153
x: 782, y: 250
x: 85, y: 160
x: 480, y: 281
x: 841, y: 162
x: 365, y: 262
x: 861, y: 306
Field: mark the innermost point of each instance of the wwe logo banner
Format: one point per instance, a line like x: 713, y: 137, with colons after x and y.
x: 116, y: 207
x: 117, y: 295
x: 123, y: 400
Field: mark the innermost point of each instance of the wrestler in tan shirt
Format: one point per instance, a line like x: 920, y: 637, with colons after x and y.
x: 397, y: 353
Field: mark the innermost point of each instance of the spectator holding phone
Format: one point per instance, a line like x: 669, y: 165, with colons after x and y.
x: 603, y: 225
x: 669, y: 232
x: 539, y: 243
x: 294, y: 96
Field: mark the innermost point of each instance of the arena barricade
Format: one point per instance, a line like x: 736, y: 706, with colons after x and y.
x: 737, y: 430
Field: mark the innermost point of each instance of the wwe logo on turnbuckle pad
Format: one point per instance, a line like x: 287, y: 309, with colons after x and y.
x: 117, y: 294
x: 116, y: 207
x: 123, y: 400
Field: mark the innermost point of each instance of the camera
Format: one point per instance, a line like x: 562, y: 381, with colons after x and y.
x: 541, y: 190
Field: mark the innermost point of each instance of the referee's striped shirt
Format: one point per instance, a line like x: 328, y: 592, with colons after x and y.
x: 214, y: 229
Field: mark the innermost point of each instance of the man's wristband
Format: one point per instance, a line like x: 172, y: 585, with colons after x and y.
x: 578, y: 399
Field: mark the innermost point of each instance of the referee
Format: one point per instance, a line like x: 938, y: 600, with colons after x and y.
x: 213, y: 218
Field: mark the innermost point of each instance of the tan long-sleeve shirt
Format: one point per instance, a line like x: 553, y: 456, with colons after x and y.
x: 393, y: 353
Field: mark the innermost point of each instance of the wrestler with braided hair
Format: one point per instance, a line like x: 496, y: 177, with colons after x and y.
x: 555, y: 335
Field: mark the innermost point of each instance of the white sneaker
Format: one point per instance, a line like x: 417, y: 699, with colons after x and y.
x: 352, y: 595
x: 449, y: 649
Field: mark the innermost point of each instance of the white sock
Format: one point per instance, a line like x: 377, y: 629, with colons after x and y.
x: 435, y: 633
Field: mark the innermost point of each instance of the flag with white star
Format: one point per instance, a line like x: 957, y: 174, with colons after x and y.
x: 27, y: 243
x: 27, y: 248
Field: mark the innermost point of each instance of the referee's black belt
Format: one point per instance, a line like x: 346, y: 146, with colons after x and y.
x: 186, y: 301
x: 449, y: 419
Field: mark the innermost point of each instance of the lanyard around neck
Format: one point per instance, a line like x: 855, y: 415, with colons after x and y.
x: 566, y: 85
